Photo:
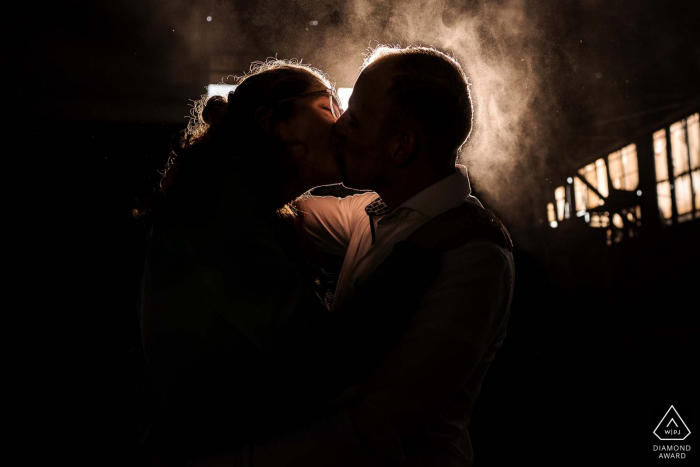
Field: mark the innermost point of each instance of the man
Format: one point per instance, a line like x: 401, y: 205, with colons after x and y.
x: 419, y: 242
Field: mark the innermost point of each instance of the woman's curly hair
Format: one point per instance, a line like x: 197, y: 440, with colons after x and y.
x: 224, y: 133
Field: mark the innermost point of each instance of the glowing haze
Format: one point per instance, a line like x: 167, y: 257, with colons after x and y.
x: 499, y: 44
x: 496, y: 45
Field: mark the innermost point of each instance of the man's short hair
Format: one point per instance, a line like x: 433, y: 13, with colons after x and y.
x: 429, y: 91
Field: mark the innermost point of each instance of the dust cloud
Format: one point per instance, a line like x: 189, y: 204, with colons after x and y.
x: 503, y: 50
x: 502, y: 46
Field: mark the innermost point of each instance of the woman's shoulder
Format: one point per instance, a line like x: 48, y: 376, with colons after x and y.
x: 351, y: 205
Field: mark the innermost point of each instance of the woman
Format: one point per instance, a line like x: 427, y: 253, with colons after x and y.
x: 225, y: 301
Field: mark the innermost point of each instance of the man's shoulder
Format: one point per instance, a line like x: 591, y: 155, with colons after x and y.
x: 481, y: 238
x: 458, y: 226
x: 479, y: 251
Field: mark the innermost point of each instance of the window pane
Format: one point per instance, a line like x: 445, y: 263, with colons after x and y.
x: 683, y: 196
x: 663, y: 192
x: 631, y: 181
x: 599, y: 220
x: 617, y: 221
x: 694, y: 140
x: 660, y: 155
x: 590, y: 175
x: 560, y: 196
x: 602, y: 176
x: 629, y: 168
x: 550, y: 213
x: 679, y: 150
x: 616, y: 173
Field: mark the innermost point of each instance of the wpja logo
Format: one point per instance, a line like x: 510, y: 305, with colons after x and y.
x: 671, y: 428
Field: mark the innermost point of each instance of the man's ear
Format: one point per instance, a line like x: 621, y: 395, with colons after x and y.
x: 404, y: 148
x: 263, y: 119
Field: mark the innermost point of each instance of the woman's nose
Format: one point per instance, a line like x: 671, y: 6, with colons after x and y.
x: 339, y: 127
x: 336, y: 138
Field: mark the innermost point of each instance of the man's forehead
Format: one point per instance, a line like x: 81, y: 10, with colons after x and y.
x: 378, y: 73
x: 372, y: 85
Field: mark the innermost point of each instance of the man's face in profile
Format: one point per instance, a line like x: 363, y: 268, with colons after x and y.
x: 362, y: 148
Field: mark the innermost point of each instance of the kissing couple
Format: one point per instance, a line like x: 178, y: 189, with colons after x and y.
x: 245, y: 363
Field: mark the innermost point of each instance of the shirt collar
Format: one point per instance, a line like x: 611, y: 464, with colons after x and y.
x: 443, y: 195
x: 377, y: 208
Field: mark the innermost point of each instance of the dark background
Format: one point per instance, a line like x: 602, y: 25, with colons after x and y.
x: 602, y: 339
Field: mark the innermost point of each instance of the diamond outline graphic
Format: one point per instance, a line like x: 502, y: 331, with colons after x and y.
x: 663, y: 418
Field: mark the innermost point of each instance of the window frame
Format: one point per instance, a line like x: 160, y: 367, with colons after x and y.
x: 694, y: 213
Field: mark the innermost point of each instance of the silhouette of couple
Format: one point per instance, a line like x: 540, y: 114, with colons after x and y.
x: 245, y: 365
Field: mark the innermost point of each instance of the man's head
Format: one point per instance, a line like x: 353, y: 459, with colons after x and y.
x: 410, y: 111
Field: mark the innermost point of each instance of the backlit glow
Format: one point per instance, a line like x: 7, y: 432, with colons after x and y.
x: 224, y: 89
x: 624, y: 172
x: 344, y: 95
x: 617, y: 221
x: 220, y: 89
x: 551, y: 216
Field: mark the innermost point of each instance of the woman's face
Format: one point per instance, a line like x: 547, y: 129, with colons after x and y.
x: 308, y: 136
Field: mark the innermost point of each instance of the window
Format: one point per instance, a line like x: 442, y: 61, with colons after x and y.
x: 693, y: 132
x: 677, y: 166
x: 685, y: 138
x: 624, y: 172
x: 684, y: 185
x: 663, y: 186
x: 597, y: 175
x: 588, y: 173
x: 551, y: 216
x: 620, y: 171
x: 679, y: 148
x: 600, y: 219
x: 617, y: 221
x: 560, y: 197
x: 580, y: 195
x: 684, y: 202
x: 694, y: 140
